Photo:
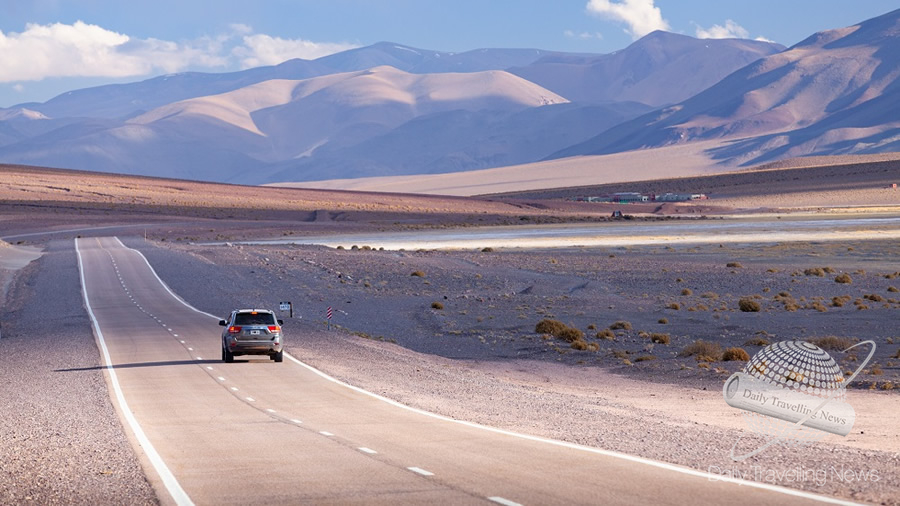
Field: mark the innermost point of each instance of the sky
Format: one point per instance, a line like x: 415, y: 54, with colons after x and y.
x: 48, y: 47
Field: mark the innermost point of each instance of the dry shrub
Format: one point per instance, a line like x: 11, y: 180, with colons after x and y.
x: 704, y: 351
x: 791, y: 306
x: 818, y: 306
x: 645, y: 358
x: 687, y: 291
x: 579, y: 345
x: 710, y: 295
x: 673, y: 305
x: 418, y: 274
x: 621, y: 325
x: 876, y: 371
x: 558, y: 329
x: 735, y: 354
x: 571, y: 334
x: 606, y: 334
x: 757, y: 341
x: 896, y: 355
x: 734, y: 265
x: 487, y: 250
x: 748, y: 305
x: 663, y: 321
x: 437, y: 305
x: 893, y: 289
x: 620, y: 354
x: 887, y: 385
x: 659, y: 338
x: 843, y: 279
x: 832, y: 342
x: 874, y: 297
x: 548, y: 326
x: 593, y: 347
x: 815, y: 271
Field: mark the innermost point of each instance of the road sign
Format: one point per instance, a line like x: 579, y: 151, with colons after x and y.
x: 284, y: 306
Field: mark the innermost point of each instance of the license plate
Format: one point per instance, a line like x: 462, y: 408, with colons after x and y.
x: 254, y: 332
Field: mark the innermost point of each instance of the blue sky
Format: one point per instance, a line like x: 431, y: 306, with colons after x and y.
x: 51, y: 46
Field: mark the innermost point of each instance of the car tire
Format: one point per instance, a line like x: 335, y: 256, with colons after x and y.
x: 227, y: 356
x: 278, y: 357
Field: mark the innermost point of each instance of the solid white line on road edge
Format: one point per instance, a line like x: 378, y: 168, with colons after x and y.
x: 163, y: 283
x: 564, y: 444
x: 504, y: 502
x: 367, y: 450
x: 169, y: 481
x: 421, y: 471
x: 325, y: 433
x: 575, y: 446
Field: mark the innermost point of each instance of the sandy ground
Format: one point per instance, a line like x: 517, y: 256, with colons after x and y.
x: 474, y: 355
x: 672, y: 161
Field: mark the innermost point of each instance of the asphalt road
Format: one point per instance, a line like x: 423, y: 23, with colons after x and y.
x: 255, y: 431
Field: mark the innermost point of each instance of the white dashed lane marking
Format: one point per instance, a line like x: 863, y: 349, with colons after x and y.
x: 367, y: 450
x: 504, y: 502
x: 325, y: 433
x: 419, y: 470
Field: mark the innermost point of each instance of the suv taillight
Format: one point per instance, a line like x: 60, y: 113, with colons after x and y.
x: 274, y: 328
x: 234, y: 329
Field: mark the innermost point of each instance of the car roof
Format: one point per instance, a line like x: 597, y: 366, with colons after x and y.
x: 253, y: 311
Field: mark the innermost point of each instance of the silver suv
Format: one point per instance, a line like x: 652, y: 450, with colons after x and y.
x: 252, y: 332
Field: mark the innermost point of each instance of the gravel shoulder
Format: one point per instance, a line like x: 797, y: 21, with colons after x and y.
x: 62, y: 441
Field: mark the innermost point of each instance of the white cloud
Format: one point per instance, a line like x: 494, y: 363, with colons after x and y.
x: 260, y: 49
x: 572, y: 34
x: 86, y: 50
x: 641, y: 16
x: 731, y: 30
x: 18, y: 87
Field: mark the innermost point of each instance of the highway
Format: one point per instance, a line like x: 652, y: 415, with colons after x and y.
x: 255, y: 431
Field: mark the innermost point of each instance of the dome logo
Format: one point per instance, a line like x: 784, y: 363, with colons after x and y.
x: 793, y: 393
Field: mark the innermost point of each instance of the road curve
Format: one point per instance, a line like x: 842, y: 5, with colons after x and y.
x: 259, y: 432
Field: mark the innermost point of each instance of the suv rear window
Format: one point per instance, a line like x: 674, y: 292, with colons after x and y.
x: 254, y: 319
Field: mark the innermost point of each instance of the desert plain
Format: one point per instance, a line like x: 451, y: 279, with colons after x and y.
x: 455, y: 331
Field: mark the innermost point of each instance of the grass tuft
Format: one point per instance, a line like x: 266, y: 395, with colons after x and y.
x: 737, y: 354
x: 843, y: 279
x: 659, y: 338
x: 437, y: 305
x: 558, y: 329
x: 620, y: 325
x: 748, y: 305
x: 418, y: 274
x: 705, y: 351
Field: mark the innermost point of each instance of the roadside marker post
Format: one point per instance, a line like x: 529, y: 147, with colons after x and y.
x: 328, y: 314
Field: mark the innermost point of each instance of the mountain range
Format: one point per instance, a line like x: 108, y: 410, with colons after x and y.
x: 390, y: 109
